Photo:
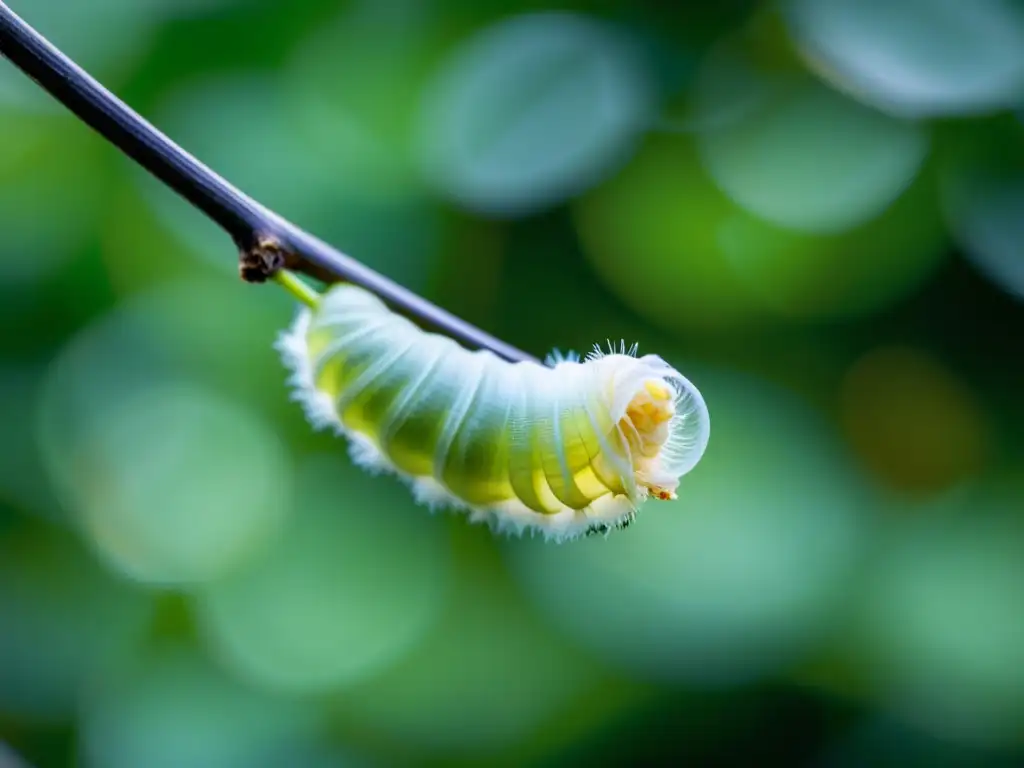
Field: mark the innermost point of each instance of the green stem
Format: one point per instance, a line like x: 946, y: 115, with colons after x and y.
x: 298, y: 288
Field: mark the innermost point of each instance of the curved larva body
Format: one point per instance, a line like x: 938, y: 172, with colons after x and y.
x: 564, y: 449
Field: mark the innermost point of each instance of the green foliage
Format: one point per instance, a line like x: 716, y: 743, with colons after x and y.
x: 812, y: 208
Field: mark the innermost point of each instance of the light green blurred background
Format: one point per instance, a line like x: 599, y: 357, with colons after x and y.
x: 814, y: 209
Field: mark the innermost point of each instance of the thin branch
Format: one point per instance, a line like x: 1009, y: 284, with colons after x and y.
x: 266, y: 241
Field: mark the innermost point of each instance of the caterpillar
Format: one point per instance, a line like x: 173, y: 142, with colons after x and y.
x: 567, y: 448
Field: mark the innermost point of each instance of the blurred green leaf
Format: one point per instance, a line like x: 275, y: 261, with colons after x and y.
x: 489, y: 676
x: 52, y: 183
x: 63, y: 620
x: 171, y: 708
x: 916, y: 58
x: 941, y: 627
x: 682, y: 255
x: 23, y: 480
x: 650, y: 234
x: 983, y: 198
x: 353, y: 584
x: 531, y: 112
x: 860, y: 272
x: 211, y: 333
x: 356, y: 84
x: 812, y: 160
x: 884, y: 742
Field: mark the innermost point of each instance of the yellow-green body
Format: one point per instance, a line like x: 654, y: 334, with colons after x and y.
x: 521, y: 443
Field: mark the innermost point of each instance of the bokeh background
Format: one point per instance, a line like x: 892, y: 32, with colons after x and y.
x: 813, y: 208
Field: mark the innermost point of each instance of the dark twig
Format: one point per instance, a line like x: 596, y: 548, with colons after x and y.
x: 266, y: 241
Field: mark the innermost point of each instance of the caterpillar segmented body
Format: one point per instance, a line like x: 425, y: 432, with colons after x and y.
x: 565, y: 449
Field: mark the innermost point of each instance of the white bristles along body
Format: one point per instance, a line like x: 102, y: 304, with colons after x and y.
x: 563, y: 449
